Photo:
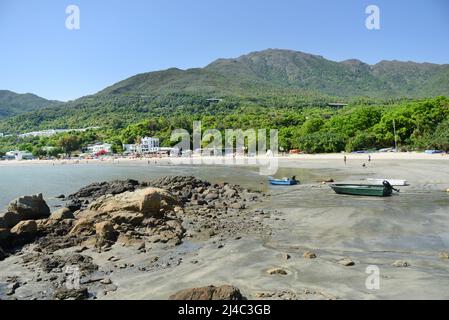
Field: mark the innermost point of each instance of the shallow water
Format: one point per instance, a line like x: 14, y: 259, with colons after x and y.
x: 59, y: 179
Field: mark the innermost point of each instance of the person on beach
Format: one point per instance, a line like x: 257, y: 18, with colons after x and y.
x: 344, y: 159
x: 369, y: 158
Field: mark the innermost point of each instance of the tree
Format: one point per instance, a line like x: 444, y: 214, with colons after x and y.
x: 440, y: 138
x: 69, y: 143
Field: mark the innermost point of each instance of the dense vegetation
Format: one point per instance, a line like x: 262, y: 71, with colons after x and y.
x: 12, y: 103
x: 420, y: 124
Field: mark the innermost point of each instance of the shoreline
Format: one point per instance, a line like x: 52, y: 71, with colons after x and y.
x: 218, y: 160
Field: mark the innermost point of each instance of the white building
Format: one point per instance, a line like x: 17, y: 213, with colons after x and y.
x: 99, y: 147
x: 147, y: 145
x: 131, y: 148
x: 19, y: 155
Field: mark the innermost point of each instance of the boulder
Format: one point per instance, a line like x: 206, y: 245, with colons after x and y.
x: 62, y: 214
x: 31, y: 207
x: 83, y: 227
x: 74, y: 205
x: 105, y: 230
x: 238, y: 205
x: 149, y: 201
x: 71, y: 294
x: 25, y: 229
x: 211, y: 196
x: 9, y: 219
x: 230, y: 193
x: 309, y: 255
x: 401, y: 264
x: 346, y: 262
x: 225, y: 292
x: 279, y: 271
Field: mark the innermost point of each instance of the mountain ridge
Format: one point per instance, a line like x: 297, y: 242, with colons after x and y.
x: 273, y: 78
x: 12, y: 103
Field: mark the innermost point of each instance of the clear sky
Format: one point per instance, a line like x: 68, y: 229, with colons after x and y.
x: 118, y: 38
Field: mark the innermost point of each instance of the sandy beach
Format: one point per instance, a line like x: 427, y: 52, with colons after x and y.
x: 301, y: 232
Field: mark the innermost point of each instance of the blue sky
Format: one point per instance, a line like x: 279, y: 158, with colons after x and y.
x: 118, y: 39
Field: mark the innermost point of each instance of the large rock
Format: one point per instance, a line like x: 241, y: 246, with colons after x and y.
x: 98, y: 189
x: 83, y: 227
x: 151, y: 202
x: 71, y: 294
x: 9, y: 219
x: 62, y: 214
x: 31, y: 207
x: 25, y: 230
x: 225, y: 292
x: 105, y: 230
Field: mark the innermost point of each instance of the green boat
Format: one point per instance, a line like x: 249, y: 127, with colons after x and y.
x: 383, y: 190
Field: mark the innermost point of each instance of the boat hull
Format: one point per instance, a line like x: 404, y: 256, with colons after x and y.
x: 362, y: 190
x: 283, y: 182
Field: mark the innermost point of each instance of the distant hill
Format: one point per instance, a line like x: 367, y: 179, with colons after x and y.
x: 275, y: 69
x: 271, y: 78
x: 12, y: 103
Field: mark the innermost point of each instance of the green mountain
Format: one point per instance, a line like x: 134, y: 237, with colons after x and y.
x: 285, y: 69
x: 12, y: 103
x: 271, y: 78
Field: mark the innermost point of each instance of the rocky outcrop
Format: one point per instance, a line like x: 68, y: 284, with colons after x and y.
x: 98, y: 189
x: 30, y: 207
x: 9, y: 219
x: 25, y: 230
x: 129, y: 214
x: 61, y: 214
x: 225, y: 292
x: 18, y: 223
x: 147, y: 213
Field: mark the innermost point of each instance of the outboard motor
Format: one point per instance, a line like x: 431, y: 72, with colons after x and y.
x: 387, y: 185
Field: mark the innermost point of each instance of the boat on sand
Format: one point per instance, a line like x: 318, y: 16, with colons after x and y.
x: 382, y: 190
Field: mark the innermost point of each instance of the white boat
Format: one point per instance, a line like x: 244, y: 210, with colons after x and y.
x: 393, y: 182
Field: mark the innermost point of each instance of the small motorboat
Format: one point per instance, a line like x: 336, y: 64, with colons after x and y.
x: 383, y: 190
x: 284, y: 181
x: 393, y: 182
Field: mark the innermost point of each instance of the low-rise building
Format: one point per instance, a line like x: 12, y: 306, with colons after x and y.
x: 18, y: 155
x: 99, y: 147
x: 146, y: 145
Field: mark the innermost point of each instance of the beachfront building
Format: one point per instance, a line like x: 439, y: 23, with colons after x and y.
x: 146, y: 145
x: 149, y: 145
x: 131, y: 148
x: 99, y: 147
x: 18, y: 155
